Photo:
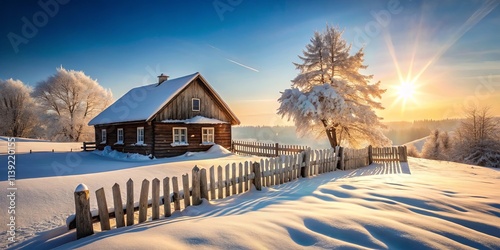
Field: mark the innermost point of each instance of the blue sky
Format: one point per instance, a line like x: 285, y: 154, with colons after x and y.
x: 245, y: 49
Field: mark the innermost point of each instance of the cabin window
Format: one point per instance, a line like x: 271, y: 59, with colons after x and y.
x: 180, y: 136
x: 195, y: 104
x: 207, y: 135
x: 140, y: 135
x: 119, y: 136
x: 103, y: 136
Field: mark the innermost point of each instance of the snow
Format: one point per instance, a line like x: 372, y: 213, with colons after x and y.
x: 81, y: 187
x: 419, y: 143
x: 46, y: 181
x: 108, y: 152
x: 196, y: 120
x: 140, y: 103
x: 423, y: 204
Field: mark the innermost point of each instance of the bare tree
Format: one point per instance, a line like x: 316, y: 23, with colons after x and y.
x: 17, y: 109
x: 478, y: 138
x: 71, y: 99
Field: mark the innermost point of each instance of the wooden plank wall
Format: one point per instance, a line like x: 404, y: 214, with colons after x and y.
x: 180, y: 107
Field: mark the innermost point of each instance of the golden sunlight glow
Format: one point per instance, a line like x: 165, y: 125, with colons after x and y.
x: 406, y: 90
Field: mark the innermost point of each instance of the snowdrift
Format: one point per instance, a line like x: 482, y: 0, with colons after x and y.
x: 424, y: 204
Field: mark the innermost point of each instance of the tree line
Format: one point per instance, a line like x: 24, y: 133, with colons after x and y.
x: 57, y: 108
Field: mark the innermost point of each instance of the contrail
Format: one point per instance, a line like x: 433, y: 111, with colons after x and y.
x: 242, y: 65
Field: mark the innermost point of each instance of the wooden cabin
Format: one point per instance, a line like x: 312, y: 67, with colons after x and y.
x: 167, y: 118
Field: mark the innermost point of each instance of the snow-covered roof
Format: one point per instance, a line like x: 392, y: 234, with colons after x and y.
x: 143, y: 103
x: 196, y: 120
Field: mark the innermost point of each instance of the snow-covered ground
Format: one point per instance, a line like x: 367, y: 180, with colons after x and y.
x: 422, y: 204
x: 419, y: 143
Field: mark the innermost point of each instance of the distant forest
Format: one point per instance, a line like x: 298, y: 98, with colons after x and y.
x: 398, y: 132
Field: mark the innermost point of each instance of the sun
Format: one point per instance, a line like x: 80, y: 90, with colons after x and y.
x: 406, y: 90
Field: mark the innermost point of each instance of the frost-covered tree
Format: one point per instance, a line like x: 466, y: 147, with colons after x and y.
x: 412, y: 151
x: 478, y: 138
x: 71, y: 99
x: 18, y: 111
x: 331, y: 95
x: 437, y: 146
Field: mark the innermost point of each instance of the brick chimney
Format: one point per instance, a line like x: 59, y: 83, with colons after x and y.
x: 162, y: 78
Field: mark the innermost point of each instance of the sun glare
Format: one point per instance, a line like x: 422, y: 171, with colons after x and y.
x: 406, y: 90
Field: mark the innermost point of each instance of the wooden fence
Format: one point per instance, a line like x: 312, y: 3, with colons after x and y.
x: 89, y: 146
x: 218, y: 183
x: 388, y: 154
x: 265, y: 149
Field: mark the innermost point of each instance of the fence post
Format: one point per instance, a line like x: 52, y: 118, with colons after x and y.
x: 196, y: 186
x: 258, y: 176
x: 341, y: 155
x: 276, y: 149
x: 370, y: 154
x: 82, y: 212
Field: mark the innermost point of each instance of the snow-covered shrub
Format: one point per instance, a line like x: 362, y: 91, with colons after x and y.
x: 412, y: 151
x: 437, y: 146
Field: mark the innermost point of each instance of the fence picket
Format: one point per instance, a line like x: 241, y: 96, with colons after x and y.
x: 185, y: 189
x: 143, y: 201
x: 240, y: 178
x: 155, y: 192
x: 233, y: 179
x: 167, y: 206
x: 245, y: 184
x: 258, y: 176
x: 118, y: 205
x: 212, y: 183
x: 271, y: 171
x: 203, y: 184
x: 228, y: 181
x: 195, y: 184
x: 220, y: 185
x: 177, y: 195
x: 130, y: 202
x: 102, y: 207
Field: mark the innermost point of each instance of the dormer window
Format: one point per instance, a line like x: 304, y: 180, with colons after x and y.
x: 195, y: 104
